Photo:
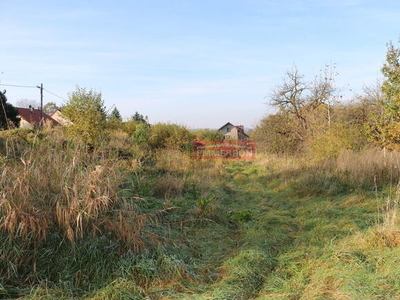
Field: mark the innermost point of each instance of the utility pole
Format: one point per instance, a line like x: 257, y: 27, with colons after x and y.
x: 41, y: 102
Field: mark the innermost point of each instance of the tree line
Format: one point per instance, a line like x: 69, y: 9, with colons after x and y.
x: 313, y: 119
x: 311, y: 116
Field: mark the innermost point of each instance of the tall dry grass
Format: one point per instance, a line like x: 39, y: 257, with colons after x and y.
x: 273, y: 163
x: 50, y: 187
x: 172, y: 160
x: 375, y: 167
x: 176, y: 173
x: 370, y: 168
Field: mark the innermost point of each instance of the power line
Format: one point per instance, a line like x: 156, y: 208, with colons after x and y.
x: 22, y: 86
x: 55, y: 95
x: 31, y: 86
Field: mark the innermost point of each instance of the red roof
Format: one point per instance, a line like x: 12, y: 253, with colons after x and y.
x: 32, y: 116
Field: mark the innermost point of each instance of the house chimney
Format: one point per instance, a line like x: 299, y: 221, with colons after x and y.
x: 31, y: 108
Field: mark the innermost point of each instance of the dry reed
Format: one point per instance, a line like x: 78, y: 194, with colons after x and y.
x: 56, y: 187
x: 370, y: 166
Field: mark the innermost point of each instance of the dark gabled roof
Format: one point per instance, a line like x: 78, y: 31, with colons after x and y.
x: 32, y: 116
x: 240, y: 128
x: 227, y: 124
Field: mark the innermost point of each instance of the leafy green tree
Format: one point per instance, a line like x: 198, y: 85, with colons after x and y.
x: 384, y: 127
x: 86, y: 110
x: 137, y: 117
x: 115, y: 114
x: 391, y: 84
x: 115, y: 119
x: 8, y: 113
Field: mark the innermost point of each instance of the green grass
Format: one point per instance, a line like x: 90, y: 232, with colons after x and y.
x: 211, y: 230
x: 302, y: 235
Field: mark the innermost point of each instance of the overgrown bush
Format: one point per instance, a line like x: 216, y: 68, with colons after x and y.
x: 278, y: 134
x: 170, y: 136
x: 62, y: 192
x: 208, y: 134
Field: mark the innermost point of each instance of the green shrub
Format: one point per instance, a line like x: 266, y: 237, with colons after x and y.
x: 86, y: 110
x: 329, y: 143
x: 208, y: 135
x: 170, y: 136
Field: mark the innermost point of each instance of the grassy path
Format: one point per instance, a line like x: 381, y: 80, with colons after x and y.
x: 263, y: 233
x: 259, y: 238
x: 296, y: 241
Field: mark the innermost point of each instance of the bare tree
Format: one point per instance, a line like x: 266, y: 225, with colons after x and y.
x: 322, y: 89
x: 297, y: 97
x: 373, y: 93
x: 288, y: 96
x: 25, y: 103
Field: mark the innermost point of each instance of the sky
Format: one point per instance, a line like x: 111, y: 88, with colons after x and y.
x: 195, y: 63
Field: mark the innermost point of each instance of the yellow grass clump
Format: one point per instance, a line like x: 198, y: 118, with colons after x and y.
x: 55, y: 186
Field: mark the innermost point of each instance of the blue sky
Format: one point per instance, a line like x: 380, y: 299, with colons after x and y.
x: 196, y: 63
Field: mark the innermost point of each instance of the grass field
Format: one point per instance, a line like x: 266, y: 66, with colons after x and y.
x: 99, y: 226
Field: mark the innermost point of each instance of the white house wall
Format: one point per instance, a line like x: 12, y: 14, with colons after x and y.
x: 25, y: 125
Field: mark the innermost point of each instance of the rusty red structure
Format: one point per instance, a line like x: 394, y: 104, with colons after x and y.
x: 226, y: 149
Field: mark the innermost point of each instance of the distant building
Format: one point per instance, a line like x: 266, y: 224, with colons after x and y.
x: 60, y: 118
x: 31, y: 118
x: 233, y: 132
